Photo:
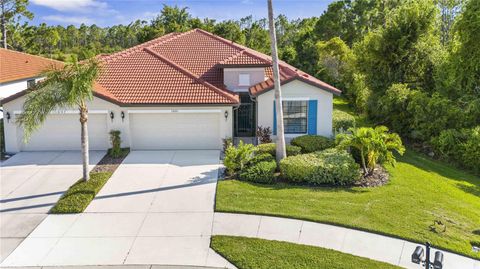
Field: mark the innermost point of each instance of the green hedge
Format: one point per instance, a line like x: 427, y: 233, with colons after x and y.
x: 342, y: 120
x: 331, y: 166
x: 261, y: 172
x: 270, y: 148
x: 312, y: 143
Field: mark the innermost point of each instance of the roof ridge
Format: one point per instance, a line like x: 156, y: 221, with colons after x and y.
x: 32, y: 55
x: 190, y: 74
x: 177, y: 35
x: 114, y: 56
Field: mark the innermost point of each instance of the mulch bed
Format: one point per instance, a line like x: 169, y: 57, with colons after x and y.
x: 110, y: 164
x: 379, y: 177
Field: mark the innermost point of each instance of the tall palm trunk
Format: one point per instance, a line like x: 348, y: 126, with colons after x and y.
x: 280, y: 151
x: 84, y: 138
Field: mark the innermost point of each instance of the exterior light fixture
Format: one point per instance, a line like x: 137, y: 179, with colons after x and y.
x: 8, y: 116
x: 122, y: 115
x: 226, y: 114
x: 112, y: 115
x: 417, y: 257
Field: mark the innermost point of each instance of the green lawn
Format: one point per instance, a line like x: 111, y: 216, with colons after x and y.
x: 258, y: 253
x: 420, y: 191
x: 339, y: 103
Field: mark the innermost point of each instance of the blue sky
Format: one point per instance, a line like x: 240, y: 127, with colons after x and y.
x: 110, y: 12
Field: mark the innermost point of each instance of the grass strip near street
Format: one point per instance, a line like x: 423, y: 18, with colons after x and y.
x: 80, y: 194
x: 250, y: 253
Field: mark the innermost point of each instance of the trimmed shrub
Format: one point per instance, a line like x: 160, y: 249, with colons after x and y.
x: 270, y: 148
x: 331, y: 166
x: 261, y: 157
x: 312, y: 143
x: 342, y: 120
x: 236, y: 158
x: 262, y: 172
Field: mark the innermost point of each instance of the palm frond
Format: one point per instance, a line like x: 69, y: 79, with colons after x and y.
x: 38, y: 104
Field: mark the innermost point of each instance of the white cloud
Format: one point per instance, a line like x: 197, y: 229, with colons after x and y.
x: 71, y: 5
x: 69, y: 19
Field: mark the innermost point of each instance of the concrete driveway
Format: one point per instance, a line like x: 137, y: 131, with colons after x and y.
x: 156, y: 209
x: 31, y: 182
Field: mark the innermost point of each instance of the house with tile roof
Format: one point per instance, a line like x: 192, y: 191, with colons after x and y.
x: 20, y: 70
x: 183, y: 91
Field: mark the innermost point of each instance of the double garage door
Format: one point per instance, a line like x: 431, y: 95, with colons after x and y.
x: 148, y: 131
x: 175, y: 131
x: 62, y: 132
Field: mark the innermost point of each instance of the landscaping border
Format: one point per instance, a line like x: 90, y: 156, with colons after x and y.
x: 79, y: 195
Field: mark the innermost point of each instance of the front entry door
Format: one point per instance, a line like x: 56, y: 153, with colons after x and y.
x: 245, y: 117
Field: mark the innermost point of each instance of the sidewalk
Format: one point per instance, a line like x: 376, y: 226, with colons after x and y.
x: 369, y: 245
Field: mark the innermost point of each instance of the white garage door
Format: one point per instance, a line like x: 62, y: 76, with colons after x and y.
x: 62, y: 132
x: 175, y: 131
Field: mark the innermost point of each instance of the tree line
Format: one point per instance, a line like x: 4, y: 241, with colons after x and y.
x: 413, y: 65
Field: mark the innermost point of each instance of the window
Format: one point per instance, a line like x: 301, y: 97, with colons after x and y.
x: 30, y: 83
x: 244, y: 80
x: 295, y: 117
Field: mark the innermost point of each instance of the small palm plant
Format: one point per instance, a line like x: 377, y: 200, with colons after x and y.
x: 375, y: 145
x: 68, y: 87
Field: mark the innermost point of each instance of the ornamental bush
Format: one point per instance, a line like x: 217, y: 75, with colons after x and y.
x: 270, y: 148
x: 312, y: 143
x: 236, y: 158
x: 331, y: 166
x: 342, y: 120
x: 116, y: 141
x: 261, y: 172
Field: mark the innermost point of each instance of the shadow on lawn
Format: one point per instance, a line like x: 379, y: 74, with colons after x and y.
x: 443, y: 169
x: 289, y: 186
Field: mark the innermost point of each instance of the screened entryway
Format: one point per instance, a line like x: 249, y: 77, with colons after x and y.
x: 244, y: 117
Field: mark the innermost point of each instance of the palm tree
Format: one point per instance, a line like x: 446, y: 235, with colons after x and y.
x: 280, y: 151
x: 375, y: 145
x: 68, y: 87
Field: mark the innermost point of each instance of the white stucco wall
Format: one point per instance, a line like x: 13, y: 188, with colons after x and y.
x: 298, y: 90
x: 13, y: 133
x: 231, y: 75
x: 10, y: 88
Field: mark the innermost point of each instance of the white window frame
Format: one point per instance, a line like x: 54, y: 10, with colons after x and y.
x: 244, y: 80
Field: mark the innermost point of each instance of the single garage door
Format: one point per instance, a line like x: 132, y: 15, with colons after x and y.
x: 62, y: 132
x: 175, y: 130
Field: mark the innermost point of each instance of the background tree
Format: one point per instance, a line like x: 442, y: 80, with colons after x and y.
x: 10, y: 9
x: 69, y: 87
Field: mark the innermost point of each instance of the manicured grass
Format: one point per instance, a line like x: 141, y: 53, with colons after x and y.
x: 80, y: 194
x: 258, y: 253
x: 420, y: 191
x: 340, y: 103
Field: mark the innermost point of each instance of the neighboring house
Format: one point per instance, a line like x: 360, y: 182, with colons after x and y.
x: 183, y: 91
x: 20, y: 71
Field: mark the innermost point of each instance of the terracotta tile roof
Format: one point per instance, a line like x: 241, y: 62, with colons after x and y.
x: 244, y: 58
x: 16, y: 65
x: 287, y: 74
x: 185, y: 68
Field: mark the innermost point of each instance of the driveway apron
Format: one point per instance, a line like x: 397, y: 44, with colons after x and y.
x: 157, y: 208
x: 30, y: 184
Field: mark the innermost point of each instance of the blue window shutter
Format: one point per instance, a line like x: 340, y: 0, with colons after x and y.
x: 274, y: 119
x: 312, y: 117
